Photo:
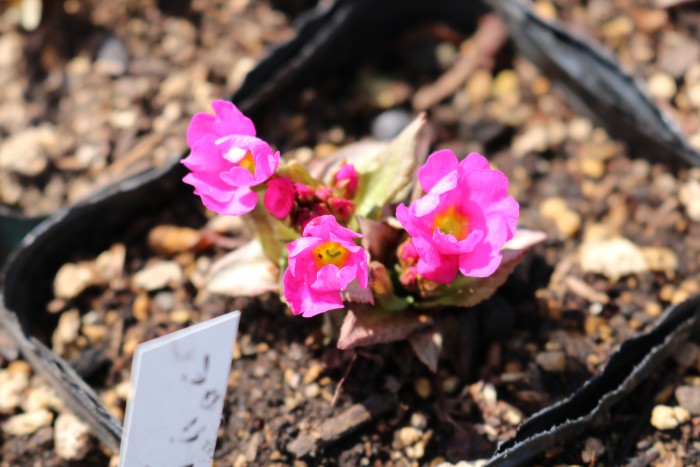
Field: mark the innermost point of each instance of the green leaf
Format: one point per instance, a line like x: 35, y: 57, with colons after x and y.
x: 272, y: 233
x: 387, y: 176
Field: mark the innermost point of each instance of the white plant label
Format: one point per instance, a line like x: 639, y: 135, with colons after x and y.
x: 178, y: 386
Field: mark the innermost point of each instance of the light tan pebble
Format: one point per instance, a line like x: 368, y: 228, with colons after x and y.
x: 312, y: 391
x: 450, y: 384
x: 664, y: 417
x: 406, y: 436
x: 41, y: 396
x: 27, y: 423
x: 419, y: 421
x: 662, y: 86
x: 580, y: 129
x: 661, y: 259
x: 511, y: 414
x: 180, y: 316
x: 12, y: 387
x: 506, y: 86
x: 617, y: 28
x: 71, y: 437
x: 169, y: 240
x: 24, y: 152
x: 613, y: 258
x: 592, y: 167
x: 72, y: 279
x: 312, y: 373
x: 158, y: 275
x: 67, y: 330
x: 553, y: 361
x: 534, y: 139
x: 422, y: 388
x: 479, y: 86
x: 592, y: 450
x: 123, y: 390
x: 689, y: 195
x: 693, y: 93
x: 566, y: 220
x: 417, y: 451
x: 141, y: 309
x: 292, y: 378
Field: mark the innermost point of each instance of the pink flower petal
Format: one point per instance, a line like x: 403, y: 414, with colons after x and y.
x: 239, y: 176
x: 438, y: 165
x: 312, y: 284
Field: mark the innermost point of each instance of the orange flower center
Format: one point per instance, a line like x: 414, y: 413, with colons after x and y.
x: 452, y: 222
x: 248, y: 162
x: 331, y: 253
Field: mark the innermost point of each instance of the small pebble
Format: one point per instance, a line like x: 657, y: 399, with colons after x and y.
x: 406, y: 436
x: 662, y: 86
x: 112, y: 57
x: 592, y: 450
x: 553, y: 360
x: 389, y: 123
x: 27, y: 423
x: 664, y: 417
x: 72, y: 279
x: 422, y: 387
x: 158, y: 275
x: 71, y: 437
x: 419, y: 420
x: 689, y: 398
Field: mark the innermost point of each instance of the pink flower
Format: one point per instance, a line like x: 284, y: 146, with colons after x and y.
x: 463, y: 221
x: 279, y: 197
x: 321, y: 264
x: 346, y: 180
x: 226, y: 159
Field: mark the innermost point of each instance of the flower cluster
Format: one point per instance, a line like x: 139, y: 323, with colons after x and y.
x: 459, y: 225
x: 464, y: 219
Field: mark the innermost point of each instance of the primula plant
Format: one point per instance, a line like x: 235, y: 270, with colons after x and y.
x: 352, y: 235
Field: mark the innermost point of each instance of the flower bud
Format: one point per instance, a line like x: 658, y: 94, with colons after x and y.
x: 342, y: 209
x: 346, y: 180
x: 279, y: 197
x: 407, y: 253
x: 323, y: 192
x: 304, y: 193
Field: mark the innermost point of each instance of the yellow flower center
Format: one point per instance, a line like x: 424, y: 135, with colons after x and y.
x: 452, y: 222
x: 331, y: 253
x: 248, y: 162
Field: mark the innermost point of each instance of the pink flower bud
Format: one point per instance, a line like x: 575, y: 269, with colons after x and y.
x: 304, y: 193
x: 342, y: 209
x: 346, y: 180
x: 323, y: 192
x: 408, y: 256
x: 409, y: 277
x: 279, y: 197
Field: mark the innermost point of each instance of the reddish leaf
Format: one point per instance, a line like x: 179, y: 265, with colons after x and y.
x: 475, y: 291
x: 367, y: 325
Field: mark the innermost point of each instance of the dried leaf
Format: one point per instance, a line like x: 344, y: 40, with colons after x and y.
x: 473, y: 290
x: 387, y: 177
x: 427, y: 345
x: 244, y: 272
x: 367, y: 325
x: 379, y: 239
x: 355, y: 293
